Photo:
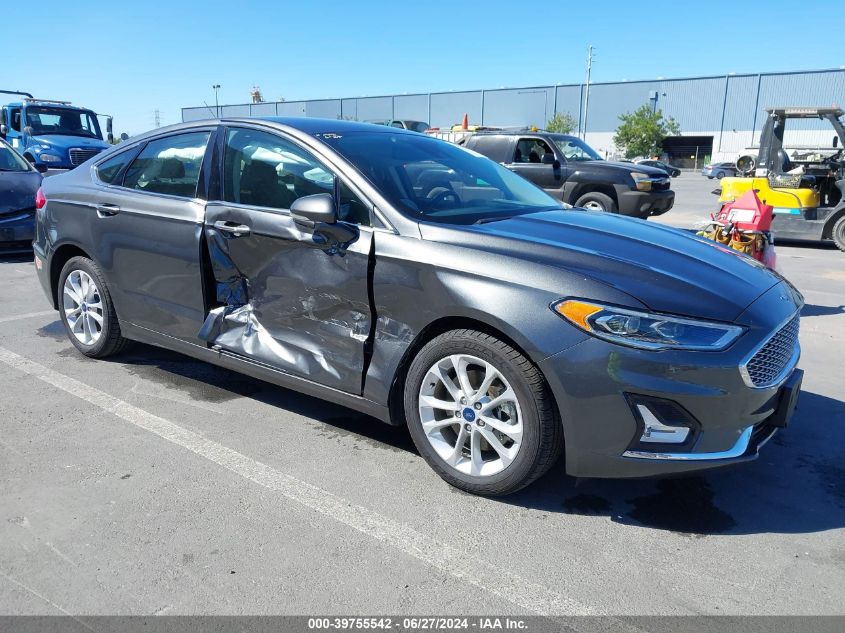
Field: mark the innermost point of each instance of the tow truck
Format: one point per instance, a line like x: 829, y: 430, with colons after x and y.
x: 807, y: 191
x: 52, y: 134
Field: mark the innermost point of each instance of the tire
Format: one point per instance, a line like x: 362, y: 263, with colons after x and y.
x: 87, y: 311
x: 720, y: 175
x: 837, y: 234
x: 595, y: 201
x: 449, y: 438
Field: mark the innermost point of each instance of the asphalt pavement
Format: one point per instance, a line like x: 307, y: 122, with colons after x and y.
x: 151, y: 483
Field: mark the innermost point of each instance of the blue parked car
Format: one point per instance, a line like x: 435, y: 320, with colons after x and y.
x: 19, y: 183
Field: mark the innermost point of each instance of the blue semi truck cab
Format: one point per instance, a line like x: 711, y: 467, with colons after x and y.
x: 52, y: 134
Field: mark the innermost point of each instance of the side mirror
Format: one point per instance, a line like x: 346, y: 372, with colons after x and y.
x: 31, y: 160
x: 109, y: 134
x: 40, y: 168
x: 835, y: 142
x: 124, y: 136
x: 548, y: 159
x: 3, y: 130
x: 308, y: 211
x: 27, y: 132
x: 316, y: 213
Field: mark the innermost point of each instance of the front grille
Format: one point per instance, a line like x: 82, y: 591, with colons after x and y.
x: 769, y: 363
x: 660, y: 185
x: 79, y: 155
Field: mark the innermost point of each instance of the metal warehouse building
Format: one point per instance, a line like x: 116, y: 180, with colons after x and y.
x: 719, y: 116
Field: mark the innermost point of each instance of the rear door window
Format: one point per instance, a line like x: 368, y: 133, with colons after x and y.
x: 169, y: 165
x: 493, y: 147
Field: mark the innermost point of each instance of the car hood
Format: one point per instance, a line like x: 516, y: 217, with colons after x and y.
x: 654, y: 172
x: 66, y: 142
x: 666, y: 269
x: 17, y: 190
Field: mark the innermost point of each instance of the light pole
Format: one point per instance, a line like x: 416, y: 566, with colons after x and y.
x: 587, y: 90
x: 216, y: 87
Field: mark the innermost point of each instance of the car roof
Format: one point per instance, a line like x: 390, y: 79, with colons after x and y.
x: 307, y: 125
x: 313, y: 125
x: 522, y: 133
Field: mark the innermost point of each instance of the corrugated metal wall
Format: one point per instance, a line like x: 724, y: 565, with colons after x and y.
x: 724, y: 107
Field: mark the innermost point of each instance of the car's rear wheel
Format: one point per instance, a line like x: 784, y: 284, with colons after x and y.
x: 720, y: 175
x: 86, y: 309
x: 480, y: 413
x: 595, y: 201
x: 838, y: 233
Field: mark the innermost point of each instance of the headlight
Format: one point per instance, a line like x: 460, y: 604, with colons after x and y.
x: 49, y: 158
x: 641, y: 181
x: 646, y: 330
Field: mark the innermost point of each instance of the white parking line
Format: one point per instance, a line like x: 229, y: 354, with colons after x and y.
x: 27, y: 315
x: 500, y: 582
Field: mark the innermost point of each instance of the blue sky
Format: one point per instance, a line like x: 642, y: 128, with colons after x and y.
x: 131, y: 58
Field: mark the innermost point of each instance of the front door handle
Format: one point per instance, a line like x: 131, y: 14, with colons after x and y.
x: 105, y: 210
x: 235, y: 230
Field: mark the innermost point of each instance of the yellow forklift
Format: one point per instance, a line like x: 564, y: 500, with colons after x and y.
x: 807, y: 192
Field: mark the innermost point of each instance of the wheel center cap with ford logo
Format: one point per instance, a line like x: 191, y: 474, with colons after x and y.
x: 469, y: 414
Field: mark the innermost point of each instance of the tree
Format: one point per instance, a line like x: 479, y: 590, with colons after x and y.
x: 561, y: 122
x: 642, y: 131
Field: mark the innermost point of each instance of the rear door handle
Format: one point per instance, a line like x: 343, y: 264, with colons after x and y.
x: 105, y: 210
x: 235, y: 230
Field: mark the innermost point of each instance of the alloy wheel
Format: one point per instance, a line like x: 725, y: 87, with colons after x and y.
x: 592, y: 205
x: 83, y: 306
x: 470, y: 415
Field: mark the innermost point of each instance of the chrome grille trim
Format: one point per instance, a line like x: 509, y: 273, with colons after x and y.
x: 79, y: 155
x: 772, y: 361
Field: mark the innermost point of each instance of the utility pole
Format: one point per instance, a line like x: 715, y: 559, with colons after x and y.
x: 587, y: 89
x: 216, y: 87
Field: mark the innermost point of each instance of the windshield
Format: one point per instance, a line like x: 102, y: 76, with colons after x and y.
x: 64, y: 121
x: 574, y: 149
x: 11, y: 160
x: 436, y: 181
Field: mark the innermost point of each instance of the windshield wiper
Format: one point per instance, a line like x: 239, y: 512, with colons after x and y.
x: 493, y: 219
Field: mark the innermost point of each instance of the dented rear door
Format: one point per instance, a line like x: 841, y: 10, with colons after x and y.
x: 280, y: 297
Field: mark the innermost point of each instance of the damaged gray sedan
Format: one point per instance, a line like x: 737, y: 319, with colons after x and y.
x: 425, y: 285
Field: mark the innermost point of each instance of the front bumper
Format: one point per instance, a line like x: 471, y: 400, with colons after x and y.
x: 593, y: 383
x: 643, y: 204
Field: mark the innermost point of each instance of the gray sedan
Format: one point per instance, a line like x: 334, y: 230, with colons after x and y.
x: 719, y: 170
x: 427, y: 286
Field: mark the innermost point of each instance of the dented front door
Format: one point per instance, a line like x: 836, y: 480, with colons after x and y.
x: 280, y: 296
x: 283, y: 300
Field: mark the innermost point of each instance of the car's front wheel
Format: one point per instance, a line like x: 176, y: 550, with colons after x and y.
x: 480, y: 413
x: 87, y: 310
x: 596, y: 201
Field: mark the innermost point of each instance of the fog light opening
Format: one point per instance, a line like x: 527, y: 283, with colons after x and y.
x: 655, y: 432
